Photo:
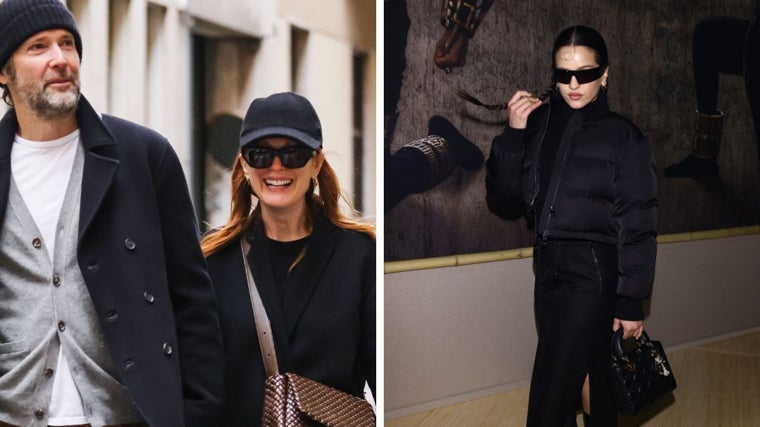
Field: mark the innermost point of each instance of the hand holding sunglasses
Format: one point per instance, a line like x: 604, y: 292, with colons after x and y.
x: 290, y: 157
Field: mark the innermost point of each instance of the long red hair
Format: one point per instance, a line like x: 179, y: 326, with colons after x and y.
x: 243, y: 213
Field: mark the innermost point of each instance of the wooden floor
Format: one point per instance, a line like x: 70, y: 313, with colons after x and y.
x: 718, y: 385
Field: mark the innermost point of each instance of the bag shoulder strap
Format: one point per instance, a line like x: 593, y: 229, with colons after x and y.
x: 263, y: 327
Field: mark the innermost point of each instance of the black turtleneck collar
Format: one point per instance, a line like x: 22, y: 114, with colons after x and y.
x: 593, y: 110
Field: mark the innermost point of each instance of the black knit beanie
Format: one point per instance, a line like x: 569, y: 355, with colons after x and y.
x: 21, y: 19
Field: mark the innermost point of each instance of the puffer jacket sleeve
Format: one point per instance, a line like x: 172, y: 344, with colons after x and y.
x: 635, y: 204
x: 504, y: 169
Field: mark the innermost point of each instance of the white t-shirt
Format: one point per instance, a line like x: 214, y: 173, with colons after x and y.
x: 41, y: 170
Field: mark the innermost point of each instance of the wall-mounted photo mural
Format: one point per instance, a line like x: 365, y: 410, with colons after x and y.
x: 687, y: 74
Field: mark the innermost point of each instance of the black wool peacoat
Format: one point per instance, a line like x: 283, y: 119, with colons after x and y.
x: 139, y: 254
x: 324, y: 329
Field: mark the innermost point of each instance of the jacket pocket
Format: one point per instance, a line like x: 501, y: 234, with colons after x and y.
x: 11, y: 354
x: 597, y: 268
x: 8, y: 348
x: 577, y: 267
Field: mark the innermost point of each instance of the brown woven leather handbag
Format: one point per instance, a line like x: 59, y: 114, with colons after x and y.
x: 291, y: 400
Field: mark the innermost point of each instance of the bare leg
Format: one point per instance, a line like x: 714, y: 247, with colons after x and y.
x: 586, y: 396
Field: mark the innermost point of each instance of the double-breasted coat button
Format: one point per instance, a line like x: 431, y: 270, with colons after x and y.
x: 39, y: 413
x: 149, y: 297
x: 168, y: 349
x: 130, y: 244
x: 37, y: 242
x: 56, y: 280
x: 61, y: 326
x: 49, y: 372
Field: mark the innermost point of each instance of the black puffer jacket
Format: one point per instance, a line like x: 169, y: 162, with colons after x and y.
x: 603, y: 187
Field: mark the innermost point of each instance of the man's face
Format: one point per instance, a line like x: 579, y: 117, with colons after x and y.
x: 43, y: 74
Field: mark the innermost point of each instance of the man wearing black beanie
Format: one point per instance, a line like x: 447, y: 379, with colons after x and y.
x: 107, y: 314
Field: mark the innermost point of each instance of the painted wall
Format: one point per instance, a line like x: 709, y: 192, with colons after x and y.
x: 459, y: 333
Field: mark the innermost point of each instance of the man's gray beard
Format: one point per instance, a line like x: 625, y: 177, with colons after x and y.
x: 56, y: 106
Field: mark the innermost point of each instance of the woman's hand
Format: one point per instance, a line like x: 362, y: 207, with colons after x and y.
x: 520, y: 106
x: 631, y: 328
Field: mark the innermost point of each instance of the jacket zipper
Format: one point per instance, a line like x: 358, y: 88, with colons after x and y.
x: 572, y: 128
x: 535, y: 175
x: 545, y: 234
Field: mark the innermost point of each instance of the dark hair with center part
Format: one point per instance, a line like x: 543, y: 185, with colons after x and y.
x: 580, y: 35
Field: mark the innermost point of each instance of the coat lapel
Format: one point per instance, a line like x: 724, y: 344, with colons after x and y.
x: 101, y: 160
x: 284, y: 316
x: 8, y: 128
x: 261, y: 269
x: 309, y: 272
x: 100, y: 164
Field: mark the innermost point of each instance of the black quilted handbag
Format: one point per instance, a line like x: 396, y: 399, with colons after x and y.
x: 640, y: 375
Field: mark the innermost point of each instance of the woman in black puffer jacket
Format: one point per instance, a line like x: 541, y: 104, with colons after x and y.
x: 586, y: 177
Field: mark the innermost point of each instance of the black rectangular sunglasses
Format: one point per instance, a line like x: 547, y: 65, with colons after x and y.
x: 290, y: 157
x: 583, y: 76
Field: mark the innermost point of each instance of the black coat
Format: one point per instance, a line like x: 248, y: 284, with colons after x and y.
x: 603, y: 188
x: 140, y: 258
x: 324, y: 329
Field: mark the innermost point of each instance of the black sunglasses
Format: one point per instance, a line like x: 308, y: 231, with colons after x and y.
x: 583, y: 76
x: 290, y: 157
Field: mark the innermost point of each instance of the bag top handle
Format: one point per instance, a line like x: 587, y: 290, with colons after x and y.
x: 617, y: 338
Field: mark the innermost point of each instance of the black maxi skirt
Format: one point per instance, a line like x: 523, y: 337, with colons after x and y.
x: 575, y: 298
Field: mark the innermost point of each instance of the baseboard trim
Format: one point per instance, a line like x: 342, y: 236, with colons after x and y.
x: 505, y: 388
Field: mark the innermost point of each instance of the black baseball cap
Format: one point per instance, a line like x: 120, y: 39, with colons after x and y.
x: 285, y: 115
